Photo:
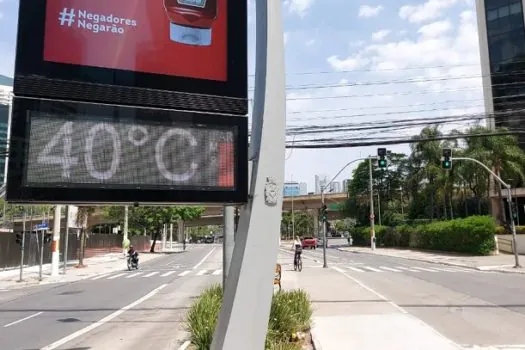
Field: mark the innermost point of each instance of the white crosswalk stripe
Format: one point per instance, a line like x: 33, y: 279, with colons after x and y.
x: 201, y: 272
x: 150, y: 274
x: 116, y: 276
x: 134, y: 275
x: 167, y: 273
x: 398, y: 269
x: 217, y: 272
x: 182, y: 274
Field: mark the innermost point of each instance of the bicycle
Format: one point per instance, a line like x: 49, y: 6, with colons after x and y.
x: 298, y: 263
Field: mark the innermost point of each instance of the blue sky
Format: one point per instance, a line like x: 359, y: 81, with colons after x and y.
x: 340, y: 42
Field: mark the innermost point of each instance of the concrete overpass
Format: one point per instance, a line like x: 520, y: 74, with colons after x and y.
x: 213, y: 214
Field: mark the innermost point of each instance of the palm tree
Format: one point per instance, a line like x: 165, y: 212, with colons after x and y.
x: 501, y: 153
x: 425, y: 166
x: 83, y: 216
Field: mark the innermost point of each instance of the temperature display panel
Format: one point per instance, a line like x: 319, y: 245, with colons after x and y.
x: 84, y: 153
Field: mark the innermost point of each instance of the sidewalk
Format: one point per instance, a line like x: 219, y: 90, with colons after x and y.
x: 349, y: 315
x: 500, y: 263
x: 101, y: 264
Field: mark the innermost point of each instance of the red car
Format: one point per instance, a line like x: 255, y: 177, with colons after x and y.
x: 309, y: 242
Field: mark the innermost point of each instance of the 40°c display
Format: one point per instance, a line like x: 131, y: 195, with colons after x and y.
x: 126, y: 154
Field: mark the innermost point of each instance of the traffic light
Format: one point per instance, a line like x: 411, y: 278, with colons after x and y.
x: 324, y: 213
x: 381, y: 161
x: 446, y: 162
x: 18, y: 238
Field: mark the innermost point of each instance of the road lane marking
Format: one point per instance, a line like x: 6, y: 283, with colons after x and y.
x: 355, y: 269
x: 103, y: 321
x: 100, y: 276
x: 23, y: 319
x: 389, y: 269
x: 182, y: 274
x: 167, y: 273
x: 134, y: 275
x: 116, y: 276
x: 371, y: 268
x: 150, y: 274
x: 407, y: 269
x: 381, y: 296
x: 204, y: 259
x: 217, y: 272
x: 423, y: 268
x: 201, y: 272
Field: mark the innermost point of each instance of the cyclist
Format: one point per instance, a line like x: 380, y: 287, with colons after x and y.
x: 298, y: 246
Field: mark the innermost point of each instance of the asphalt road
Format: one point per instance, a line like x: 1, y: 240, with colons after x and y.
x: 471, y: 307
x: 142, y: 309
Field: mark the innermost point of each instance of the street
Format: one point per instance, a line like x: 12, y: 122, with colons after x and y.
x: 470, y: 307
x: 129, y: 309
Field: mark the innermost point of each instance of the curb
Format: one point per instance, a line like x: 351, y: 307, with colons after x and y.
x: 315, y: 341
x: 435, y: 262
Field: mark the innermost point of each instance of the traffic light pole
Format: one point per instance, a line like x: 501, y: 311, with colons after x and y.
x: 325, y: 264
x: 372, y: 218
x: 509, y: 200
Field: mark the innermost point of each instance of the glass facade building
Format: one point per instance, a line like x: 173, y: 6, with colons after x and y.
x: 502, y: 22
x: 501, y: 28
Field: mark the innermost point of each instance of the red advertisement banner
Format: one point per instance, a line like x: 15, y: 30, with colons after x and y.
x: 182, y: 38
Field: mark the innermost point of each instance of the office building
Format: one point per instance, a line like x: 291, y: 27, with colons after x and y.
x: 335, y: 187
x: 501, y: 30
x: 6, y: 88
x: 345, y: 185
x: 320, y: 182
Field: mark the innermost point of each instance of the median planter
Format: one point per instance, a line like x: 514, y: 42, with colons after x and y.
x: 288, y: 327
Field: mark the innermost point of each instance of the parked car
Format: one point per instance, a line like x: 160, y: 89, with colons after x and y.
x: 309, y: 242
x: 209, y: 239
x: 320, y: 242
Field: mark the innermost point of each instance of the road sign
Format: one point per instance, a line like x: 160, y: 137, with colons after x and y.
x: 42, y: 226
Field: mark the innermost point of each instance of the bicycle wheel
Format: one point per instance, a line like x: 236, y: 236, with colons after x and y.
x: 300, y: 265
x: 295, y: 265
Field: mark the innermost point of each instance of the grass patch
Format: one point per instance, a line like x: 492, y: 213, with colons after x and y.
x: 290, y: 313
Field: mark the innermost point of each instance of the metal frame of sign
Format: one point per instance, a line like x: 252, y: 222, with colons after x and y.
x: 35, y: 77
x: 18, y: 190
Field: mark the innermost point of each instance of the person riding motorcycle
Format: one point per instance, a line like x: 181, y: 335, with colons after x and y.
x: 133, y: 254
x: 298, y: 247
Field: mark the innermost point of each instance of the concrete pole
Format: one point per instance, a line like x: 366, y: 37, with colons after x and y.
x: 171, y: 236
x: 164, y: 237
x: 372, y: 218
x: 66, y: 237
x: 325, y: 243
x: 243, y: 319
x: 55, y: 247
x: 126, y: 228
x: 227, y: 241
x: 513, y: 229
x: 22, y: 246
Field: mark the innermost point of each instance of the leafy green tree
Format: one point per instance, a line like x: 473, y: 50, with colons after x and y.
x: 84, y: 213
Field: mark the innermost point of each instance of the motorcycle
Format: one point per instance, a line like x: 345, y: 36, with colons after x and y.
x: 133, y: 263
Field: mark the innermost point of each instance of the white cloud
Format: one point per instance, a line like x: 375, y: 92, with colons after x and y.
x: 310, y: 42
x: 427, y: 11
x: 298, y: 7
x: 380, y: 35
x: 346, y: 64
x: 370, y: 11
x: 436, y: 29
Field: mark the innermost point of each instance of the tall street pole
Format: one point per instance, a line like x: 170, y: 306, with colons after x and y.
x: 325, y: 263
x: 66, y: 237
x: 55, y: 247
x: 227, y: 241
x: 293, y: 214
x: 125, y: 231
x: 372, y: 218
x: 22, y: 246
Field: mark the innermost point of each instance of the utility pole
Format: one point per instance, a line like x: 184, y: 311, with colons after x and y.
x: 293, y: 215
x: 509, y: 201
x: 55, y: 247
x: 125, y: 231
x: 378, y: 207
x: 66, y: 237
x: 227, y: 241
x: 325, y: 264
x: 171, y: 236
x: 372, y: 217
x: 22, y: 246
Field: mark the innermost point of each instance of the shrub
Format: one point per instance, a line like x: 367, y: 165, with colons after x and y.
x: 501, y: 230
x: 202, y: 317
x: 290, y: 312
x: 474, y: 235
